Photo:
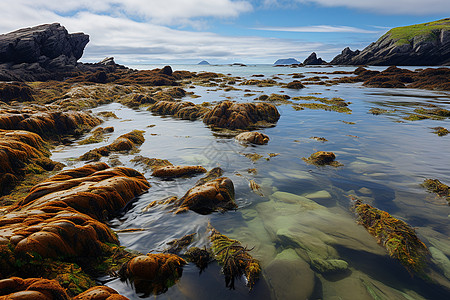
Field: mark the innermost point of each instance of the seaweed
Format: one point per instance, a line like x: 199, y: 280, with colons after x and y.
x: 399, y: 239
x: 322, y: 158
x: 440, y: 131
x: 234, y: 258
x: 437, y: 187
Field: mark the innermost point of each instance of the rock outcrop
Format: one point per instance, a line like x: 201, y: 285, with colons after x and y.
x: 241, y: 115
x: 425, y: 44
x: 42, y: 44
x: 313, y: 60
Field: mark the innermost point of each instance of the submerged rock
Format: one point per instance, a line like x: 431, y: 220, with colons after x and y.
x: 322, y: 158
x: 437, y: 187
x: 252, y: 137
x: 215, y: 195
x: 125, y: 142
x: 177, y: 171
x: 153, y: 273
x: 289, y: 276
x: 241, y: 115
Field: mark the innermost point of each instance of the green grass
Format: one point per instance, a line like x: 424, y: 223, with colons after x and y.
x: 428, y: 31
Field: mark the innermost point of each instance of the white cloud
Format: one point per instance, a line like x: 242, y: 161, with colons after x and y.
x: 318, y: 28
x: 389, y: 7
x: 158, y: 11
x: 130, y: 41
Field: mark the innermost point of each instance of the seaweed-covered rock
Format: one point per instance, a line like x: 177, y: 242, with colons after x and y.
x: 177, y: 171
x: 153, y: 273
x: 150, y: 163
x: 321, y: 158
x: 253, y: 137
x: 295, y: 85
x: 46, y: 122
x: 437, y: 187
x: 241, y: 115
x: 15, y: 91
x: 399, y: 239
x: 211, y: 196
x: 21, y: 153
x: 125, y: 142
x: 100, y: 293
x: 182, y: 110
x: 234, y: 258
x: 31, y: 289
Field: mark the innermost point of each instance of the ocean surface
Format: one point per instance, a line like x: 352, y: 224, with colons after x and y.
x: 304, y: 213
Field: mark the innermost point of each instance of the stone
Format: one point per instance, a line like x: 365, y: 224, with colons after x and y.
x: 289, y: 277
x: 232, y: 115
x: 214, y: 195
x: 252, y: 137
x: 177, y: 171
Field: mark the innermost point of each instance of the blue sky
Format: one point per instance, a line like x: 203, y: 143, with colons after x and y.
x: 221, y: 31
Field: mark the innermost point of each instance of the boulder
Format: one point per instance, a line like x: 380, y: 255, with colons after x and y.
x: 177, y: 171
x: 214, y: 195
x: 252, y: 137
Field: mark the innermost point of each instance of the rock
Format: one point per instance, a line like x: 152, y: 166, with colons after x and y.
x: 153, y: 273
x: 321, y: 158
x: 286, y: 61
x: 41, y: 42
x: 31, y: 288
x: 49, y: 123
x: 252, y: 137
x: 16, y: 91
x: 295, y: 85
x: 203, y: 62
x: 183, y: 110
x: 125, y: 142
x: 289, y: 277
x: 313, y: 60
x: 100, y: 293
x: 327, y: 266
x: 425, y: 44
x: 177, y: 171
x: 21, y: 153
x: 211, y: 196
x: 241, y: 115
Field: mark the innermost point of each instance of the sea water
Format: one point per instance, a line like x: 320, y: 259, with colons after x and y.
x: 304, y: 211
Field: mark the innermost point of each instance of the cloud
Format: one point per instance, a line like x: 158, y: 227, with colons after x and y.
x: 388, y: 7
x: 318, y: 28
x: 133, y: 40
x: 168, y: 12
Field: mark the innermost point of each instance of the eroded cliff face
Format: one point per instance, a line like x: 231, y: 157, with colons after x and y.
x: 417, y: 45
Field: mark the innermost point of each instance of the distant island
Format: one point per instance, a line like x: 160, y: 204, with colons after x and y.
x: 203, y: 62
x: 426, y: 44
x: 286, y: 61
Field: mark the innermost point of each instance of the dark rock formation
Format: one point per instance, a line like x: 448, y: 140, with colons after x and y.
x: 425, y: 44
x: 286, y: 61
x: 313, y: 60
x: 345, y: 56
x: 42, y: 44
x: 203, y: 62
x: 48, y: 52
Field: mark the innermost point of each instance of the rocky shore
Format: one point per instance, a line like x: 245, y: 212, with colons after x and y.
x: 55, y: 235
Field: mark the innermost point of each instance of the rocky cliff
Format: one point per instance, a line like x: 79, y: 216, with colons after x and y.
x: 425, y: 44
x: 41, y: 53
x: 313, y: 60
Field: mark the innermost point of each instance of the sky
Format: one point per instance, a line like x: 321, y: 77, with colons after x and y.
x: 220, y: 31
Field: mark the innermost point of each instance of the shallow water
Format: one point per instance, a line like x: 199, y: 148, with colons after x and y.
x: 305, y: 209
